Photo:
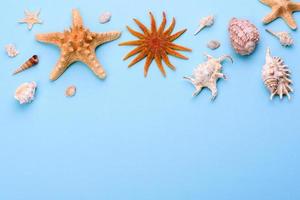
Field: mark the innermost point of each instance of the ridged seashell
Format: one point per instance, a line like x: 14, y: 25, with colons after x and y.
x: 276, y: 76
x: 205, y: 22
x: 11, y: 50
x: 284, y: 37
x: 213, y: 44
x: 71, y: 91
x: 34, y: 60
x: 25, y: 93
x: 207, y: 75
x: 244, y: 36
x: 105, y: 17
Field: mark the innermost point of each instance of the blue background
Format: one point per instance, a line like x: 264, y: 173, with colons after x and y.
x: 133, y: 138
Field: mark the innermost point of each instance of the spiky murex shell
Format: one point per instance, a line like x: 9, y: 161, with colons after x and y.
x: 204, y: 73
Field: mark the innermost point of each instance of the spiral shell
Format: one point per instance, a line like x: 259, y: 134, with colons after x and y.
x: 25, y: 93
x: 284, y: 38
x: 276, y: 76
x: 244, y: 36
x: 34, y: 60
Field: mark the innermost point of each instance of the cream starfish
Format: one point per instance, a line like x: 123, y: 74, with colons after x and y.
x: 283, y: 9
x: 31, y: 18
x: 78, y: 44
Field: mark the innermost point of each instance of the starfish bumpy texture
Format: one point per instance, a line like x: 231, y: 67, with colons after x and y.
x: 155, y: 44
x: 30, y: 19
x: 283, y: 9
x: 78, y: 44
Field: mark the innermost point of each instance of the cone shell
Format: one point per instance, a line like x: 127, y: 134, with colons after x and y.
x: 276, y: 76
x: 244, y: 36
x: 34, y: 60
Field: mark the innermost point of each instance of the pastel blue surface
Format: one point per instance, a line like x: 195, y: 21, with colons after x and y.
x: 133, y: 138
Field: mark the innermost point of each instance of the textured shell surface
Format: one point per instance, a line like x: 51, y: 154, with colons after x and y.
x: 105, y: 17
x: 205, y: 22
x: 244, y: 36
x: 285, y: 38
x: 213, y: 44
x: 25, y: 93
x: 11, y: 50
x: 207, y: 74
x: 276, y: 76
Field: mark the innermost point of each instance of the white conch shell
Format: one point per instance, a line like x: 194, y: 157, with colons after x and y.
x: 276, y: 76
x: 205, y: 22
x: 11, y: 50
x: 207, y: 75
x: 25, y: 93
x: 105, y: 17
x: 284, y: 37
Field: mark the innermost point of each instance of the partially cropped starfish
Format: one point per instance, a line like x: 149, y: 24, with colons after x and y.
x: 283, y: 9
x: 155, y: 44
x: 31, y: 18
x: 78, y: 44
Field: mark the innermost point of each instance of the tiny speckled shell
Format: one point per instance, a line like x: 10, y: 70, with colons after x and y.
x: 213, y: 44
x: 244, y: 36
x: 71, y: 91
x: 105, y: 17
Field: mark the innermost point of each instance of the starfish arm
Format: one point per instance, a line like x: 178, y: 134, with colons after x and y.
x: 148, y: 62
x: 159, y: 64
x: 77, y: 19
x: 177, y: 35
x: 271, y: 17
x: 153, y: 23
x: 132, y: 43
x: 295, y: 6
x: 101, y: 38
x: 165, y: 58
x: 269, y: 3
x: 163, y: 24
x: 176, y: 54
x: 135, y: 33
x: 93, y: 63
x: 288, y: 18
x: 171, y: 28
x: 137, y: 59
x: 179, y: 47
x: 63, y: 63
x: 142, y: 26
x: 134, y: 52
x: 51, y: 38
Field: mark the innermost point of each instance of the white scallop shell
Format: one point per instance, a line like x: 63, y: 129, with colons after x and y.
x: 25, y: 93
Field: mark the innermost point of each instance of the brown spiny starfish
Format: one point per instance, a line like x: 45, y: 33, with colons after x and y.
x: 283, y: 9
x: 78, y: 44
x: 155, y: 44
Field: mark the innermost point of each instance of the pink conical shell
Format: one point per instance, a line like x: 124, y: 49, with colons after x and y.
x: 244, y: 36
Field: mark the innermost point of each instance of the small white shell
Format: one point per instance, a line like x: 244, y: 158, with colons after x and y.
x: 285, y: 38
x: 11, y: 50
x: 205, y: 22
x: 105, y: 17
x: 71, y: 91
x: 213, y: 44
x: 25, y: 93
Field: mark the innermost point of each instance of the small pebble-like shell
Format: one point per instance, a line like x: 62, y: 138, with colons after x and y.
x: 276, y: 76
x: 205, y: 22
x: 25, y: 93
x: 71, y: 91
x: 105, y: 17
x: 11, y: 50
x: 285, y: 38
x: 244, y: 36
x: 213, y: 44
